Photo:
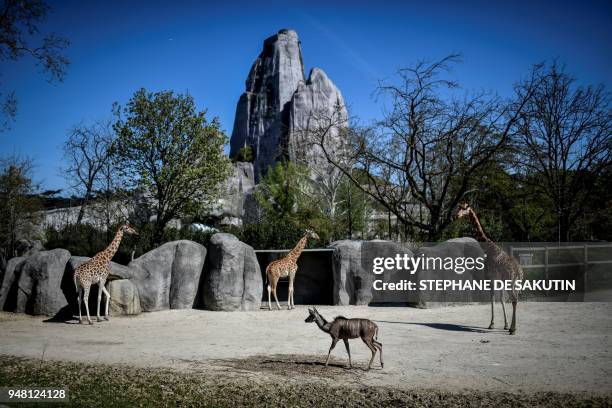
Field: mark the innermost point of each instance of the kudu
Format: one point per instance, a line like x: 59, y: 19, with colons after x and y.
x: 345, y: 329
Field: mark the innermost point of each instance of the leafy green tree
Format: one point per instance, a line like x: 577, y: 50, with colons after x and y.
x: 171, y: 152
x: 245, y: 154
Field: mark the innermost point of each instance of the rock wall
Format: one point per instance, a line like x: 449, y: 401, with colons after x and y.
x: 278, y: 100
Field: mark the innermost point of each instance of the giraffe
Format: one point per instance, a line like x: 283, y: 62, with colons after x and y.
x: 95, y: 271
x: 498, y: 265
x: 286, y: 266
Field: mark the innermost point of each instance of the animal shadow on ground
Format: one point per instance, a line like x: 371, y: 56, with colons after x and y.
x: 294, y: 365
x: 445, y: 326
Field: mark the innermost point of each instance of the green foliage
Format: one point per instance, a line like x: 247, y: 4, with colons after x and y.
x: 86, y: 240
x: 245, y: 154
x: 287, y: 210
x: 171, y: 151
x: 282, y: 192
x: 354, y: 210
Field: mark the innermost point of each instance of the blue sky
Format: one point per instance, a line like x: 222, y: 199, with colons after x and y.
x: 207, y: 50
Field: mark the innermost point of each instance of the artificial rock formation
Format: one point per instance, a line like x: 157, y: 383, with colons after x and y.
x: 232, y: 278
x: 239, y: 191
x: 353, y: 277
x: 36, y: 284
x: 167, y: 277
x: 279, y: 102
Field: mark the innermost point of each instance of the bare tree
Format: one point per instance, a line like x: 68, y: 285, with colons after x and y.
x: 87, y: 154
x: 420, y: 160
x: 565, y: 136
x: 19, y: 206
x: 19, y: 20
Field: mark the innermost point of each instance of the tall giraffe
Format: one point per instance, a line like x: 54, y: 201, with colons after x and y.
x: 95, y: 271
x: 498, y: 265
x: 286, y: 266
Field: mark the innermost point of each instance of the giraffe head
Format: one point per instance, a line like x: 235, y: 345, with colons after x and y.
x: 127, y: 228
x: 463, y: 210
x: 311, y: 234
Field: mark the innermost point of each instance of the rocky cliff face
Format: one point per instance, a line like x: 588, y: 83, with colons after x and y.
x: 279, y: 101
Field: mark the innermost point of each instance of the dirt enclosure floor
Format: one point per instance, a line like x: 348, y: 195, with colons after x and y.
x: 559, y: 347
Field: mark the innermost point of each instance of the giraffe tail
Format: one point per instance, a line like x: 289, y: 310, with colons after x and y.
x: 76, y: 282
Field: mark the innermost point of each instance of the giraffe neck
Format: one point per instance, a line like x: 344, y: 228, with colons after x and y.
x: 480, y: 234
x: 111, y: 249
x: 294, y: 254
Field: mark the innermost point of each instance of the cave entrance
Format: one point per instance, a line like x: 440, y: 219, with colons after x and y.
x: 314, y: 281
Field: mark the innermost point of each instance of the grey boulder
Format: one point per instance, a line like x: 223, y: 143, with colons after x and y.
x: 455, y: 248
x: 232, y: 278
x: 43, y: 284
x: 353, y: 272
x: 9, y: 283
x: 124, y: 298
x: 168, y: 276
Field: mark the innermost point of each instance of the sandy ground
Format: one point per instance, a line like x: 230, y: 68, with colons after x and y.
x: 561, y: 347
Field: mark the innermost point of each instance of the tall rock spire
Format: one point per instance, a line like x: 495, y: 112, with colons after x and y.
x: 262, y: 111
x: 278, y: 102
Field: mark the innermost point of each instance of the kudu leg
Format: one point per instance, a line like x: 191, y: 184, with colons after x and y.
x: 348, y: 350
x: 334, y: 341
x: 368, y: 342
x: 378, y: 345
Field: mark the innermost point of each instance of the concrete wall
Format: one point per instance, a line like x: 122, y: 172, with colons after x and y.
x: 314, y: 280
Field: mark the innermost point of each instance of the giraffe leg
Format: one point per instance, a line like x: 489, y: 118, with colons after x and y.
x: 349, y: 352
x: 334, y: 341
x: 106, y: 315
x: 99, y: 299
x: 290, y: 296
x: 274, y: 284
x: 86, y: 301
x: 79, y: 298
x: 276, y: 298
x: 503, y: 302
x: 269, y: 297
x: 492, y: 325
x: 513, y: 323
